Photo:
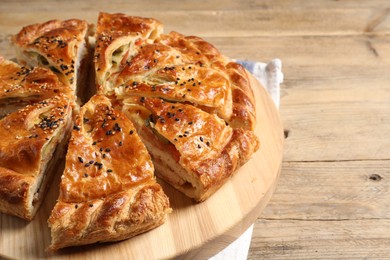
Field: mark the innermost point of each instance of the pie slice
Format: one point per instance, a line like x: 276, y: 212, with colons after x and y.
x: 116, y: 37
x: 108, y: 191
x: 198, y: 147
x: 32, y: 141
x: 61, y: 46
x: 23, y: 85
x: 194, y: 151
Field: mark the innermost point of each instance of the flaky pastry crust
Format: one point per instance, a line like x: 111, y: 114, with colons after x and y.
x: 25, y: 82
x: 193, y: 107
x: 108, y: 191
x: 58, y: 45
x: 30, y: 137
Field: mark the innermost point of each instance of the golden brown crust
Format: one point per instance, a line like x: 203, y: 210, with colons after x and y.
x: 194, y: 77
x: 14, y: 189
x: 108, y: 191
x: 116, y: 217
x: 59, y: 45
x: 174, y: 67
x: 115, y: 34
x: 244, y: 108
x: 24, y: 82
x: 29, y: 139
x: 209, y: 149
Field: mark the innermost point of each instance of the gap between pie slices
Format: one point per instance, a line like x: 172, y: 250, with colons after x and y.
x: 179, y: 106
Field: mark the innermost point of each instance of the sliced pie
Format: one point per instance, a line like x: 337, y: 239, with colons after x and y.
x: 116, y: 38
x: 108, y: 191
x: 32, y: 141
x: 25, y: 85
x: 59, y: 45
x: 193, y: 108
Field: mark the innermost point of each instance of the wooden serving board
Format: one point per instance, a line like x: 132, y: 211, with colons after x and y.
x: 192, y: 230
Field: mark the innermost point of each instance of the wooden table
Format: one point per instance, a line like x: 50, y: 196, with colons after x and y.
x: 333, y: 197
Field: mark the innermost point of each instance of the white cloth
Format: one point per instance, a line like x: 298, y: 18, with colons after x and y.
x: 270, y: 76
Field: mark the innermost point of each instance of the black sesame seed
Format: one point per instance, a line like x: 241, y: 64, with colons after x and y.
x: 109, y: 170
x: 190, y: 123
x: 86, y: 175
x: 90, y: 205
x: 76, y: 206
x: 104, y: 155
x: 117, y: 127
x: 142, y: 99
x: 177, y: 119
x: 120, y: 143
x: 199, y: 146
x: 201, y: 139
x: 101, y: 149
x: 77, y: 128
x: 91, y: 162
x: 131, y: 132
x: 108, y: 150
x: 208, y: 143
x: 81, y: 159
x: 94, y: 143
x: 87, y: 165
x: 109, y: 132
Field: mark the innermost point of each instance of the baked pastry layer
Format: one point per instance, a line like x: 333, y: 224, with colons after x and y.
x: 108, y: 190
x: 24, y: 85
x: 32, y: 142
x: 58, y: 45
x: 193, y: 107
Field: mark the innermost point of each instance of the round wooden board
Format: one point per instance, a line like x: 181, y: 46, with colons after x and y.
x: 192, y: 230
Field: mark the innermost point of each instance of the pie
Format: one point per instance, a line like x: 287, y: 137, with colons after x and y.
x: 193, y: 108
x: 108, y: 191
x: 25, y: 85
x: 61, y: 46
x: 35, y: 122
x: 167, y: 105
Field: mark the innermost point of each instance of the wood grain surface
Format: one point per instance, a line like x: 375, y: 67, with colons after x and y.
x: 332, y: 199
x: 193, y: 230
